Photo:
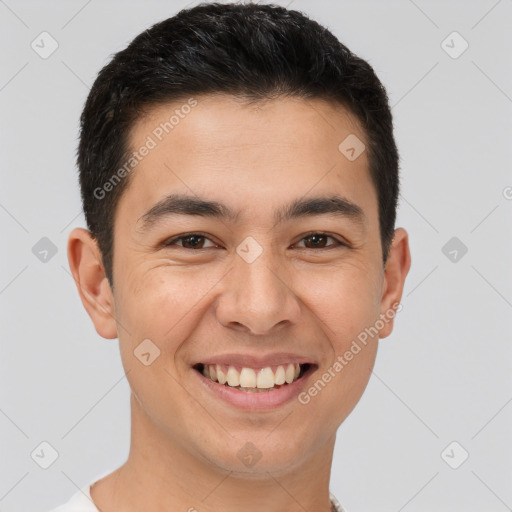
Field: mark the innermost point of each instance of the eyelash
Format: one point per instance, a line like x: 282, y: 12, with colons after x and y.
x: 172, y: 242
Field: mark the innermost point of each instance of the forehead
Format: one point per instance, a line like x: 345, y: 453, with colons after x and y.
x: 247, y: 155
x: 223, y: 122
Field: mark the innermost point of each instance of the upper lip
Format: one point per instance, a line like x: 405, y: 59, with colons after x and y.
x: 255, y: 361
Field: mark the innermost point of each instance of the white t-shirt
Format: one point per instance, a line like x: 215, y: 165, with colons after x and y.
x: 81, y: 501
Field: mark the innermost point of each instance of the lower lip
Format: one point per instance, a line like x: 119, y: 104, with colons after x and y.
x: 259, y: 400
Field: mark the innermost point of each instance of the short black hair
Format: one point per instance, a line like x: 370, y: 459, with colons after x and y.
x: 251, y: 51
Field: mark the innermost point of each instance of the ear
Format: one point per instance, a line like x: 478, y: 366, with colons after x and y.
x: 395, y: 272
x: 92, y: 284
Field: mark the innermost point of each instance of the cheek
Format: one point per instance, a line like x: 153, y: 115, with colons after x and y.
x: 160, y: 294
x: 157, y: 311
x: 163, y: 305
x: 345, y: 300
x: 355, y: 340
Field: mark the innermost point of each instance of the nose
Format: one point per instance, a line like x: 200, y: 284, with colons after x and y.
x: 257, y: 297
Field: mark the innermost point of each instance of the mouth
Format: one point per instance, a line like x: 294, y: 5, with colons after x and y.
x: 255, y: 380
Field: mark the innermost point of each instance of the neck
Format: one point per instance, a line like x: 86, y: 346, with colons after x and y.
x: 162, y: 474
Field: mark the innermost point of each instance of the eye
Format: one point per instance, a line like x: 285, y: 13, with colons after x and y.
x: 196, y: 241
x: 318, y: 240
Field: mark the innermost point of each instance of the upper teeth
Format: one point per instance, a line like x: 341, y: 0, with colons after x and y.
x: 250, y: 378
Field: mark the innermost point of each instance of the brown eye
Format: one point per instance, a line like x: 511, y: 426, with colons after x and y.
x: 189, y: 241
x: 318, y: 241
x: 196, y: 241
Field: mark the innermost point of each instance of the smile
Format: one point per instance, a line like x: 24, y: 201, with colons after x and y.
x: 252, y: 379
x: 255, y: 388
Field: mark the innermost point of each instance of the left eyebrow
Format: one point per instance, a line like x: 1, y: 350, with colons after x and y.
x: 185, y: 205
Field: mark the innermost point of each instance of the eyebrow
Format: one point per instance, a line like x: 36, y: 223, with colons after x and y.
x: 180, y: 204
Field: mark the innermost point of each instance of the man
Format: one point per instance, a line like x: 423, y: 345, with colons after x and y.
x: 239, y: 179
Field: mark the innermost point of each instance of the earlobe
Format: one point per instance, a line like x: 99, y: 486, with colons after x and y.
x: 85, y: 263
x: 397, y: 268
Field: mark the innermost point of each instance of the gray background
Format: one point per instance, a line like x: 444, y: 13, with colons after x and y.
x: 443, y: 375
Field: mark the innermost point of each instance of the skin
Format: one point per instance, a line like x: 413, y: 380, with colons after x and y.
x: 293, y: 298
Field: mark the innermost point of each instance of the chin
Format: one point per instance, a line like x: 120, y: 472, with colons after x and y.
x: 253, y: 460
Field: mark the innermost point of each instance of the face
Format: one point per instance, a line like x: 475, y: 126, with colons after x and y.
x: 266, y: 286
